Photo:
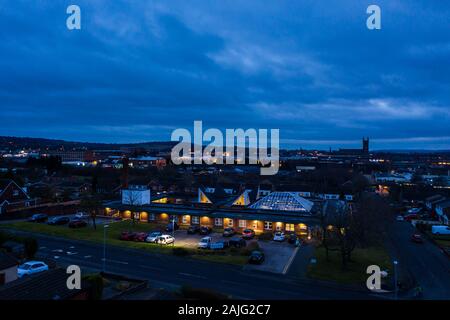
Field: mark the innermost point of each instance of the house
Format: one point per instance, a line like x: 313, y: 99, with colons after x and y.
x: 443, y: 211
x: 8, y: 268
x: 12, y: 196
x: 48, y: 285
x: 431, y: 202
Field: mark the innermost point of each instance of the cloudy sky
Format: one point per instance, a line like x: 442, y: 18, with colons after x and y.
x: 139, y: 69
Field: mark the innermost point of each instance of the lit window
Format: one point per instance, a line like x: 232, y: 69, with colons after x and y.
x: 242, y: 224
x: 218, y: 222
x: 230, y: 222
x: 267, y: 225
x: 185, y: 219
x: 195, y: 220
x: 289, y: 227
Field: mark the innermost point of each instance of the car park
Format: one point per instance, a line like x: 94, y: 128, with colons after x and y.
x: 417, y: 238
x: 410, y: 217
x: 205, y: 230
x: 204, y: 243
x: 77, y: 223
x: 38, y: 217
x: 153, y: 236
x: 438, y: 230
x: 279, y: 236
x: 193, y: 229
x: 31, y: 267
x: 165, y: 239
x: 237, y: 242
x: 229, y: 232
x: 58, y: 221
x: 256, y: 257
x: 81, y: 215
x: 248, y: 234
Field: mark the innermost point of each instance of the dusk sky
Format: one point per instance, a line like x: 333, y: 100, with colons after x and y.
x: 139, y: 69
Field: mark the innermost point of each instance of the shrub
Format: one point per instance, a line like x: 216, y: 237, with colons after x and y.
x: 31, y: 247
x: 96, y: 283
x: 182, y: 252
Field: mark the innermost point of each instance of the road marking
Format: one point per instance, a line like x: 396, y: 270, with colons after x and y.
x: 115, y: 261
x: 288, y: 264
x: 56, y: 257
x: 58, y: 250
x: 42, y: 248
x: 87, y: 257
x: 191, y: 275
x: 151, y: 268
x: 72, y: 247
x: 71, y: 253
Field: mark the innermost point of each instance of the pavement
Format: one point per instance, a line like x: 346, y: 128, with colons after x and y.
x: 425, y: 262
x: 171, y: 272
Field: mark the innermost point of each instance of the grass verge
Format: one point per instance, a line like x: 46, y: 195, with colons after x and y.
x: 355, y: 273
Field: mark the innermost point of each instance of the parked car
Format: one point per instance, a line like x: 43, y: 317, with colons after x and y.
x: 31, y: 267
x: 440, y: 230
x: 165, y: 239
x: 172, y: 226
x: 410, y: 217
x: 77, y: 223
x: 193, y: 229
x: 81, y: 215
x: 400, y: 218
x: 38, y: 217
x: 248, y: 234
x: 292, y: 238
x: 58, y: 221
x: 279, y: 236
x: 256, y: 257
x: 417, y: 238
x: 127, y: 236
x: 229, y: 232
x: 237, y: 242
x: 204, y: 243
x: 205, y: 230
x: 152, y: 237
x: 140, y: 236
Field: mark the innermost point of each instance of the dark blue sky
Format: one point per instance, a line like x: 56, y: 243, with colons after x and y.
x: 139, y: 69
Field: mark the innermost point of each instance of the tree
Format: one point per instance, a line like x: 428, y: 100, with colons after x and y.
x: 91, y: 204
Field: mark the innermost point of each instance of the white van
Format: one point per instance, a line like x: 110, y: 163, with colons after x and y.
x: 440, y: 230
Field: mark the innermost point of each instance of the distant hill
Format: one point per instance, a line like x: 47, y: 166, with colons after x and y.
x: 41, y: 143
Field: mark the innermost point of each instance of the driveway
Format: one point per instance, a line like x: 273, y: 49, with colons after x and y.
x: 278, y: 257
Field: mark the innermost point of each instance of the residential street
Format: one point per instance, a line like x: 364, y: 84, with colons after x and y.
x: 169, y: 271
x: 425, y: 262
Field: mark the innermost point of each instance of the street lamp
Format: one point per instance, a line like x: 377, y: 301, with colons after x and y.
x: 104, y: 246
x: 395, y: 278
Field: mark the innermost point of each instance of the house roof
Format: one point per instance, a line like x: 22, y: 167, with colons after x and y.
x: 285, y: 201
x: 7, y: 261
x: 48, y: 285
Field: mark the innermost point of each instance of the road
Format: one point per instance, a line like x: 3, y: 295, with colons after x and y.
x: 425, y: 262
x: 169, y: 271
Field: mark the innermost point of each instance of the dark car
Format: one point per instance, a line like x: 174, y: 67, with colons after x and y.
x: 127, y: 236
x: 256, y: 257
x: 417, y: 238
x: 39, y: 217
x: 229, y: 232
x: 205, y: 230
x: 248, y: 234
x: 140, y: 236
x: 292, y: 238
x: 237, y: 242
x: 193, y: 229
x: 171, y: 226
x: 78, y: 223
x: 58, y: 221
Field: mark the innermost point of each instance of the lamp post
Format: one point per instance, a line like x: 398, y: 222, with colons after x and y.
x: 395, y: 278
x: 104, y: 246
